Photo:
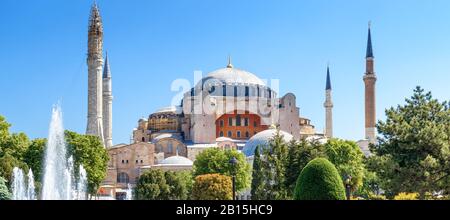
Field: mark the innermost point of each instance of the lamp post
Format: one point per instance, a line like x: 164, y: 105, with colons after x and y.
x: 348, y: 186
x: 233, y: 163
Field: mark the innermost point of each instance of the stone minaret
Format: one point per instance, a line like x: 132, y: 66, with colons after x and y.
x: 369, y: 80
x: 328, y: 107
x: 95, y: 66
x: 107, y: 104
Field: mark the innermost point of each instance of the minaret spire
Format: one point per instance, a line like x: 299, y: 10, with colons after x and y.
x: 369, y: 51
x: 328, y: 107
x: 370, y: 79
x: 95, y: 67
x: 107, y: 104
x: 328, y: 85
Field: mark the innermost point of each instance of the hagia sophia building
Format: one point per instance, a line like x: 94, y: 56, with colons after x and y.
x: 229, y: 108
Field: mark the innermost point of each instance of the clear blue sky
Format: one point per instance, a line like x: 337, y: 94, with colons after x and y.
x: 151, y: 43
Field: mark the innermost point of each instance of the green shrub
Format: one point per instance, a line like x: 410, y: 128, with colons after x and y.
x: 212, y: 187
x: 319, y: 180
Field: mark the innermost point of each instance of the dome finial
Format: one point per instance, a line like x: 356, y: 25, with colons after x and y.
x: 229, y: 62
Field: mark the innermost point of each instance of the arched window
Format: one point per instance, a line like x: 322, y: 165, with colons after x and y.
x: 247, y: 91
x: 224, y: 90
x: 221, y: 123
x: 247, y: 134
x: 230, y: 134
x: 221, y: 134
x: 238, y: 134
x: 238, y: 120
x: 123, y: 178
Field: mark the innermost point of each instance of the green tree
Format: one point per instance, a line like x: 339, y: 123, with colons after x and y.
x: 257, y: 178
x: 413, y: 152
x: 164, y: 185
x: 276, y: 167
x: 180, y: 185
x: 348, y: 159
x: 319, y: 180
x: 212, y: 187
x: 152, y: 185
x: 4, y: 192
x: 4, y: 128
x: 12, y: 149
x: 272, y: 166
x: 88, y: 151
x: 34, y: 157
x: 215, y: 160
x: 300, y: 154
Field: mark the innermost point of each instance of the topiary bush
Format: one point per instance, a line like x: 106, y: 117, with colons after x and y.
x: 319, y: 180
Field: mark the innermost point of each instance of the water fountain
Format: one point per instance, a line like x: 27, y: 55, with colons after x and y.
x: 31, y: 193
x: 59, y: 181
x: 129, y: 193
x: 23, y: 190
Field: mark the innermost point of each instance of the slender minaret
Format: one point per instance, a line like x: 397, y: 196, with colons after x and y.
x: 95, y: 66
x: 107, y: 104
x: 328, y: 107
x: 369, y: 80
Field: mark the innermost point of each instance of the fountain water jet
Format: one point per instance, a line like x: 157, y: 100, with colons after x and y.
x: 18, y: 187
x: 23, y: 190
x: 59, y: 178
x: 31, y: 194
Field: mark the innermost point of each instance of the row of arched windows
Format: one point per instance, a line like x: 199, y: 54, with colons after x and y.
x: 238, y: 134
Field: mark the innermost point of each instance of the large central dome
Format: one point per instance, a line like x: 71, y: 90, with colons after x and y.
x: 231, y: 75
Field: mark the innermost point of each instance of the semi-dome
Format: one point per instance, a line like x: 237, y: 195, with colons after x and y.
x: 262, y: 139
x: 177, y: 160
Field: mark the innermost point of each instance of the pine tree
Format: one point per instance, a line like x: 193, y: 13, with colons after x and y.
x: 257, y: 191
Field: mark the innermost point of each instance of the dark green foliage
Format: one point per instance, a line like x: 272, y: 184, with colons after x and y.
x: 34, y: 157
x: 413, y: 153
x: 164, y: 185
x: 319, y: 180
x: 257, y: 178
x: 300, y: 154
x: 270, y: 170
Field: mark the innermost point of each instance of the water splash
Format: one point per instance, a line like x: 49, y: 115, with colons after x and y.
x: 18, y: 187
x: 129, y: 193
x: 23, y: 190
x: 82, y: 184
x: 31, y: 193
x: 59, y: 181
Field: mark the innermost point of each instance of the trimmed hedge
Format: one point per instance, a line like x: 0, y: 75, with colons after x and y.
x: 319, y: 180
